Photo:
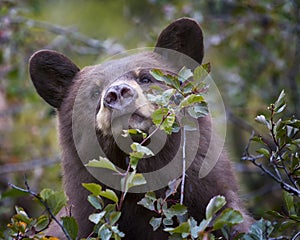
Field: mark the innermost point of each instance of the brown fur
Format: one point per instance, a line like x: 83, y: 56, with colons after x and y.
x: 62, y: 85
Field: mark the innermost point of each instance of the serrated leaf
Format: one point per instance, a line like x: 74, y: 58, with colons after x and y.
x: 96, y: 217
x: 70, y: 225
x: 95, y: 202
x: 94, y: 188
x: 155, y: 223
x: 214, y: 205
x: 228, y: 217
x: 102, y: 163
x: 42, y: 223
x: 109, y: 194
x: 191, y: 100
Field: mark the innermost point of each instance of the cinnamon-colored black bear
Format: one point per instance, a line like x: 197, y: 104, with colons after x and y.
x: 99, y: 101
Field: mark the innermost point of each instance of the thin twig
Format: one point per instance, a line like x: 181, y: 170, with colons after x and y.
x: 248, y: 157
x: 183, y: 165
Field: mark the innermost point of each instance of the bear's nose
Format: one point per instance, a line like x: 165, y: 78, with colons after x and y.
x: 119, y: 96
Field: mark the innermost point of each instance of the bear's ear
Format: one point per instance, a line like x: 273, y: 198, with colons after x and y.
x: 52, y: 74
x: 185, y: 36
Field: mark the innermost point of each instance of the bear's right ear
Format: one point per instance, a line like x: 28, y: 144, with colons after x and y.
x: 52, y: 74
x: 185, y: 36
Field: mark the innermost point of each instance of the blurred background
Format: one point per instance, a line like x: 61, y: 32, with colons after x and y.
x: 253, y: 47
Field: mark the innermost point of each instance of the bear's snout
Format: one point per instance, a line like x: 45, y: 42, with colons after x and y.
x: 119, y: 96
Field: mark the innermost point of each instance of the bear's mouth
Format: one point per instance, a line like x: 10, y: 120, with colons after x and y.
x: 139, y: 121
x: 135, y: 120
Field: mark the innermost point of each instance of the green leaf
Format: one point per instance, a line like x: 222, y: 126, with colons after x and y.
x: 13, y: 193
x: 148, y: 201
x: 184, y: 74
x: 214, y: 205
x: 55, y: 200
x: 130, y: 132
x: 198, y: 110
x: 109, y: 194
x: 117, y: 232
x: 157, y: 74
x: 289, y: 202
x: 141, y: 149
x: 191, y: 100
x: 104, y: 232
x: 262, y: 119
x: 95, y: 202
x: 168, y: 222
x: 42, y: 223
x: 155, y: 223
x: 102, y: 163
x: 70, y: 225
x: 94, y: 188
x: 201, y: 72
x: 138, y: 179
x: 264, y: 151
x: 259, y: 230
x: 96, y: 217
x: 182, y: 228
x: 175, y: 210
x: 195, y: 229
x: 280, y: 105
x: 163, y: 118
x: 46, y: 193
x: 228, y: 217
x: 114, y: 217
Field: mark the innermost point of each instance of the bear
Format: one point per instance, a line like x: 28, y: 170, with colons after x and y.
x: 96, y: 103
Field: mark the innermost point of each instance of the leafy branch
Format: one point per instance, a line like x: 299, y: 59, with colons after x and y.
x: 284, y: 159
x: 22, y: 226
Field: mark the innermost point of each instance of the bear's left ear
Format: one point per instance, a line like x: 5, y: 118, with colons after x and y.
x: 185, y: 36
x: 52, y: 74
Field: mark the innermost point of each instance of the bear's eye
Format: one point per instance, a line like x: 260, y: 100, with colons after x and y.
x: 95, y: 94
x: 145, y: 79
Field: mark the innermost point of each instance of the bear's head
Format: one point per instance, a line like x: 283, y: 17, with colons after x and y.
x: 99, y: 101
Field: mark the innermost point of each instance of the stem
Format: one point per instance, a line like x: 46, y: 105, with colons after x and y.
x: 183, y: 165
x: 122, y: 198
